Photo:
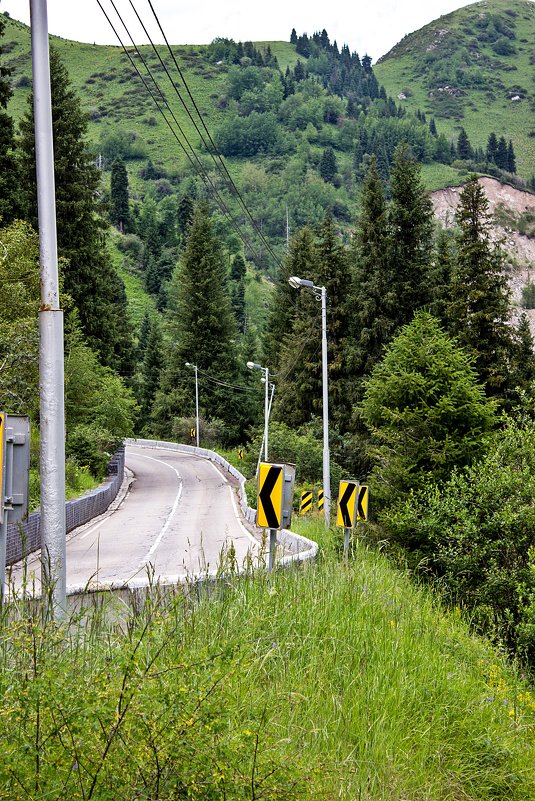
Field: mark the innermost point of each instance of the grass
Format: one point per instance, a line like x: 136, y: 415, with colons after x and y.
x: 317, y: 683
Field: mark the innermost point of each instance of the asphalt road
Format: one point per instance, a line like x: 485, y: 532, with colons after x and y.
x: 177, y: 519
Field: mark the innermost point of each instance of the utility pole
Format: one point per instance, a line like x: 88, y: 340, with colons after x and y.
x: 52, y: 406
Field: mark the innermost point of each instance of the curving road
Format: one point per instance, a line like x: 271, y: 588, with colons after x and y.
x: 178, y: 518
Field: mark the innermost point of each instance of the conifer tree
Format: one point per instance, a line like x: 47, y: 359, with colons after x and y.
x: 501, y: 154
x: 374, y: 296
x: 300, y: 261
x: 151, y: 368
x: 119, y: 211
x: 511, y: 158
x: 328, y: 165
x: 201, y: 331
x: 9, y: 180
x: 411, y: 228
x: 479, y: 310
x: 90, y: 277
x: 464, y: 148
x: 492, y: 147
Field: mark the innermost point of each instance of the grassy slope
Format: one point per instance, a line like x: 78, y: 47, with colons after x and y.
x: 326, y: 682
x: 484, y: 110
x: 102, y: 76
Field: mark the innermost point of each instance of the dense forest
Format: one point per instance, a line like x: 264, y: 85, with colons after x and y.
x: 430, y: 373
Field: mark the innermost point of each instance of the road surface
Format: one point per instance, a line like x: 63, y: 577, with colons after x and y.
x: 178, y: 518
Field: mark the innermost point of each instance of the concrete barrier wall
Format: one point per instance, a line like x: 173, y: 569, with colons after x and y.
x: 25, y: 538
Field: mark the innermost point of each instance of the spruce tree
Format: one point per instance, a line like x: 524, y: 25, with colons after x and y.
x: 328, y: 165
x: 151, y: 369
x: 300, y: 261
x: 501, y: 154
x: 479, y: 310
x: 464, y: 148
x: 119, y: 212
x: 201, y: 330
x: 374, y: 297
x: 9, y: 179
x: 492, y: 147
x: 90, y: 278
x: 411, y: 228
x: 511, y: 158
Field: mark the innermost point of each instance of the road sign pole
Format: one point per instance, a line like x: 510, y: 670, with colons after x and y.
x: 272, y: 548
x: 51, y: 368
x: 3, y: 548
x: 347, y: 533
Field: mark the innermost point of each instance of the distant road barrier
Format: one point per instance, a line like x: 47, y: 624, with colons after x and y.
x: 25, y: 538
x: 296, y: 547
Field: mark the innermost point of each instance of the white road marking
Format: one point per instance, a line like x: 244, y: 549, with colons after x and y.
x: 167, y: 523
x: 233, y: 498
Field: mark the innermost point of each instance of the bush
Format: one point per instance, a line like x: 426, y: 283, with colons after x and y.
x: 528, y: 296
x: 211, y: 432
x: 91, y: 446
x: 477, y: 534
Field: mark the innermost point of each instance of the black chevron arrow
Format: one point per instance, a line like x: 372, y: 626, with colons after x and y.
x: 265, y: 497
x: 344, y: 500
x: 360, y: 509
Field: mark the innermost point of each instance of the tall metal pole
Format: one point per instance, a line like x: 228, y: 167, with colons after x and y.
x: 266, y: 413
x: 196, y: 405
x: 52, y: 407
x: 326, y: 458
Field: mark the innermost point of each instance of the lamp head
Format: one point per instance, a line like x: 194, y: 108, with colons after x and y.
x: 297, y: 283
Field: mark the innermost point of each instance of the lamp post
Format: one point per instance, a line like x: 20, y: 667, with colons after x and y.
x: 320, y: 293
x: 265, y: 378
x: 196, y: 401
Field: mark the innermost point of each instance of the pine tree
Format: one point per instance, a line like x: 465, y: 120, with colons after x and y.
x: 119, y: 212
x: 90, y: 277
x: 201, y: 331
x: 492, y: 147
x: 432, y: 127
x: 151, y: 369
x: 328, y: 165
x: 501, y: 154
x: 411, y: 228
x: 479, y: 310
x: 9, y: 179
x: 374, y: 297
x: 511, y: 158
x: 464, y: 148
x: 300, y: 261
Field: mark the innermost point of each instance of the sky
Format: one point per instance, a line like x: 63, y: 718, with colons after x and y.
x: 367, y: 27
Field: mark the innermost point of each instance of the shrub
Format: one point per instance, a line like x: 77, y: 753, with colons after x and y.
x: 91, y: 446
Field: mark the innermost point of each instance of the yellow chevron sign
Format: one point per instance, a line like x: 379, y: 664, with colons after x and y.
x: 363, y: 502
x: 306, y: 503
x: 347, y: 504
x: 270, y: 486
x: 320, y: 501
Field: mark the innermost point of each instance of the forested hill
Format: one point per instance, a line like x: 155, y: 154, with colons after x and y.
x: 296, y: 122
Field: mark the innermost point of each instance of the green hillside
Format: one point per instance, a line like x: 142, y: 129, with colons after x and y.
x: 473, y: 68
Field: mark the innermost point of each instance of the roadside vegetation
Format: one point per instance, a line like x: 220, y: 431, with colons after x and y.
x: 326, y: 681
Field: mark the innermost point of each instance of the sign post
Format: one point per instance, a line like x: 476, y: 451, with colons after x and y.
x: 275, y: 499
x: 346, y: 515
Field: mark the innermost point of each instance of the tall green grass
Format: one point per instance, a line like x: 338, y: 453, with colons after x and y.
x: 323, y: 682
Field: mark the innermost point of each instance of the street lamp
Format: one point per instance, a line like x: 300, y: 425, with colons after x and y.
x: 265, y: 371
x: 196, y: 401
x: 320, y: 293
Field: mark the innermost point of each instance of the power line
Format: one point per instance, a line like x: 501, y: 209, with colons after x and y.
x: 199, y: 168
x: 217, y: 154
